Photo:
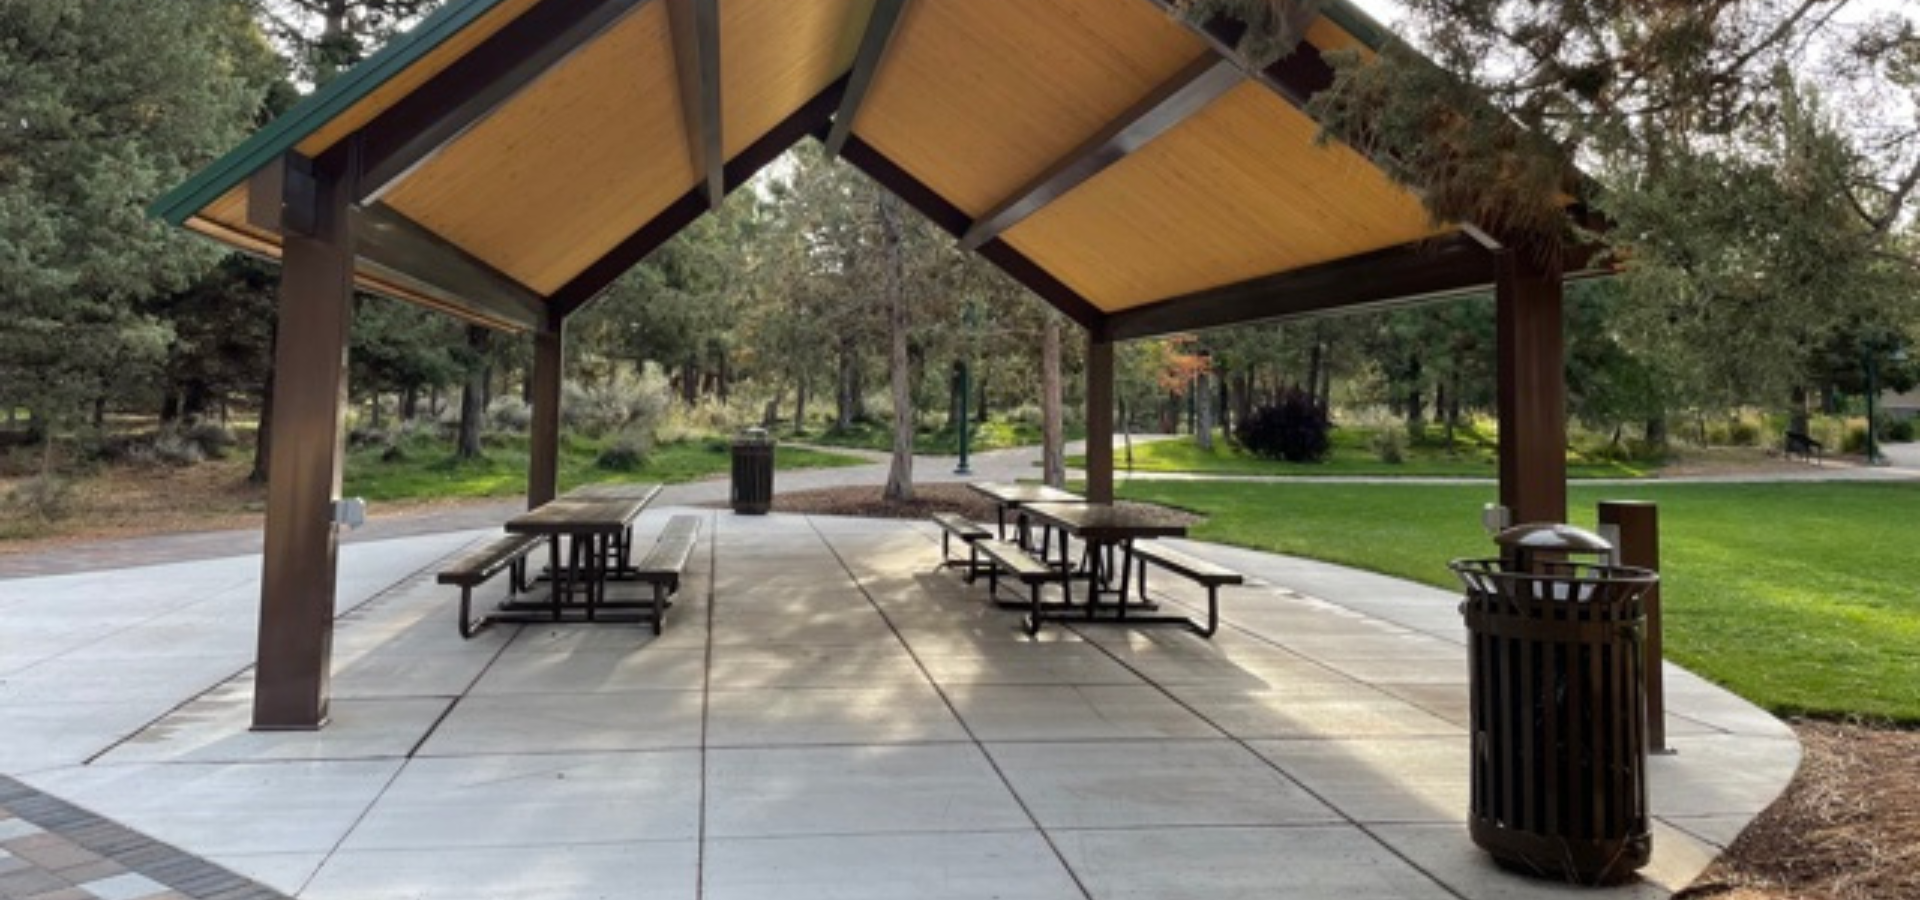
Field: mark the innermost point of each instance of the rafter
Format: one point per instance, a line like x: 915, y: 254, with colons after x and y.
x: 881, y: 25
x: 809, y: 119
x: 1397, y: 276
x: 1186, y: 93
x: 955, y: 222
x: 696, y: 53
x: 429, y: 119
x: 385, y: 238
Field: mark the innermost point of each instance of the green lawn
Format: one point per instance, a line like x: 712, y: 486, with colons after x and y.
x: 427, y: 469
x: 1473, y: 455
x: 995, y: 435
x: 1804, y: 598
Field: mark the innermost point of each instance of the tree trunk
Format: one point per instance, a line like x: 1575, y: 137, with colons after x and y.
x: 1655, y: 431
x: 1314, y: 362
x: 1203, y: 409
x: 800, y: 407
x: 410, y: 403
x: 1797, y: 413
x: 980, y: 412
x: 893, y: 292
x: 690, y: 381
x: 169, y: 407
x: 845, y: 387
x: 263, y: 438
x: 1053, y: 433
x: 473, y: 407
x: 376, y: 410
x: 433, y: 401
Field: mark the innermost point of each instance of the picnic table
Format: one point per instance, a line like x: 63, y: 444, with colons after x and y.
x: 1105, y: 528
x: 595, y: 525
x: 1009, y: 498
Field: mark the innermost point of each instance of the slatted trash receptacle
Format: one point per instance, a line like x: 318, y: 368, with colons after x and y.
x: 753, y: 472
x: 1558, y: 706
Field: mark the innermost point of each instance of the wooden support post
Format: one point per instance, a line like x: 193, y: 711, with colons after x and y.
x: 291, y: 689
x: 543, y: 467
x: 1634, y: 528
x: 1099, y: 420
x: 1532, y: 390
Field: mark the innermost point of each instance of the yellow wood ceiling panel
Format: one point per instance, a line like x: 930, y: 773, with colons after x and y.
x: 1236, y: 192
x: 411, y: 78
x: 576, y: 163
x: 775, y: 55
x: 978, y: 97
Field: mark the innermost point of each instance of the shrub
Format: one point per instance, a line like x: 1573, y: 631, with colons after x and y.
x: 1029, y: 414
x: 1389, y: 446
x: 510, y: 414
x: 42, y: 497
x: 1295, y: 429
x: 1900, y: 431
x: 1743, y: 434
x: 174, y: 449
x: 627, y: 452
x: 1856, y: 441
x: 623, y: 403
x: 216, y: 441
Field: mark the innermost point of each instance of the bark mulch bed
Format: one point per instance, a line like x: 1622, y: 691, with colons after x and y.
x: 928, y: 499
x: 1848, y: 827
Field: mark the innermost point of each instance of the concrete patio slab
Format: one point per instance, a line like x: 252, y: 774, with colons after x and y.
x: 829, y: 714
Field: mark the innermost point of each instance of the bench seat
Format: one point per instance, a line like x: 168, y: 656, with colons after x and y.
x: 507, y: 552
x: 1017, y: 563
x: 664, y: 563
x: 1206, y: 574
x: 954, y: 525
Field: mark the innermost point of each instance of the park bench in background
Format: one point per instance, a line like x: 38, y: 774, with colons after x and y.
x: 1804, y: 446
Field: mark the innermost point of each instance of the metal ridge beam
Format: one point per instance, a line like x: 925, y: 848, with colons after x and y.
x: 696, y: 53
x: 1396, y: 276
x: 1189, y: 91
x: 429, y: 119
x: 808, y: 119
x: 954, y: 221
x: 881, y: 25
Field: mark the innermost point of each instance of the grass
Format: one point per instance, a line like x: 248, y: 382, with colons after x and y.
x: 997, y: 434
x: 1804, y: 598
x: 426, y: 468
x: 1474, y: 455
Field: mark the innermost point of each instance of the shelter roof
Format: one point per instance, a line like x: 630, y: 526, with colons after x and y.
x: 510, y: 158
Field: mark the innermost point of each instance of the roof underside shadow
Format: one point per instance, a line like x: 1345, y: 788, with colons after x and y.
x: 511, y: 158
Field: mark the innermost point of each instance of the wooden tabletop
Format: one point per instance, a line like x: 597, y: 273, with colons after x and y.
x: 1018, y: 495
x: 569, y: 515
x: 1109, y: 522
x: 607, y: 490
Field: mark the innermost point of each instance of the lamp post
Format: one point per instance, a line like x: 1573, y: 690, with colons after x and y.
x: 1896, y: 354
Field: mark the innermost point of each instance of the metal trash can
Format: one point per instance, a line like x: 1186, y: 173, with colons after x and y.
x: 753, y: 472
x: 1558, y: 705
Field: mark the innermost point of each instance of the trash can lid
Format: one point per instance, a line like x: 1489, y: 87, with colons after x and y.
x: 1550, y: 536
x: 754, y: 435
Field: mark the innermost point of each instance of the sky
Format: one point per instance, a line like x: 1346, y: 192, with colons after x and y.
x: 1388, y: 11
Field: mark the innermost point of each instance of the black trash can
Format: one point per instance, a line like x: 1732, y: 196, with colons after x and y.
x: 753, y: 472
x: 1558, y: 705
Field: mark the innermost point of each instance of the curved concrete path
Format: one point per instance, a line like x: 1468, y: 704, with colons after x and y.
x: 827, y: 715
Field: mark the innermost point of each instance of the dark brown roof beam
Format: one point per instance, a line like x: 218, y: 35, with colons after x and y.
x: 1296, y: 77
x: 881, y: 24
x: 587, y: 285
x: 391, y: 241
x: 696, y: 52
x: 429, y: 119
x: 1397, y: 276
x: 954, y: 221
x: 1186, y: 93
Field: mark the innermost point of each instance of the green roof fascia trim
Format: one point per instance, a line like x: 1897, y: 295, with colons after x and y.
x: 1357, y: 23
x: 316, y: 110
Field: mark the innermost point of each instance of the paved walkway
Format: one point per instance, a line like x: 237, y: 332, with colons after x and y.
x: 827, y: 715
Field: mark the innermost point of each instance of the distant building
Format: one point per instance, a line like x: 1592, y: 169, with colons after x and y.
x: 1902, y: 406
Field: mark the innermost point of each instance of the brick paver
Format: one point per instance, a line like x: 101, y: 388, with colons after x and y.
x: 53, y: 850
